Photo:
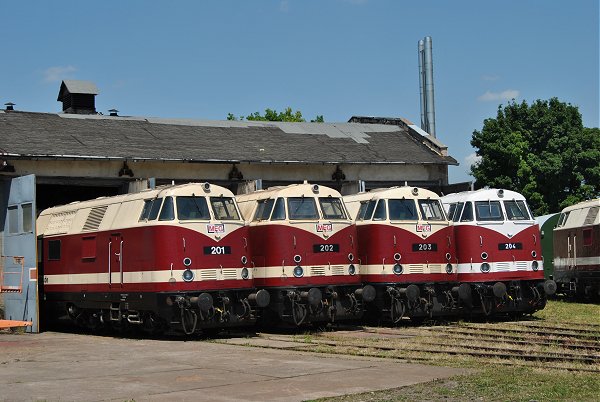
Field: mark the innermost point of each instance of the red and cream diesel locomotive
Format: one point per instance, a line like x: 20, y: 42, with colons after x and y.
x: 303, y: 246
x: 173, y: 257
x: 499, y: 252
x: 406, y: 251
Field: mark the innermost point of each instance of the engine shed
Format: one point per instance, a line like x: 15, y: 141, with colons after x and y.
x: 49, y: 159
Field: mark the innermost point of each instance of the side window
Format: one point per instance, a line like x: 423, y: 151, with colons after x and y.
x: 279, y: 211
x: 263, y: 210
x: 380, y: 211
x: 451, y: 210
x: 587, y: 237
x: 54, y: 250
x: 168, y: 212
x: 155, y: 209
x: 366, y: 210
x: 488, y: 211
x: 562, y: 219
x: 458, y: 211
x: 467, y: 215
x: 146, y: 210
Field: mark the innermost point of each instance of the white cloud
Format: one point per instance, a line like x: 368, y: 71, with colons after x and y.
x: 58, y: 73
x: 472, y: 159
x: 489, y: 96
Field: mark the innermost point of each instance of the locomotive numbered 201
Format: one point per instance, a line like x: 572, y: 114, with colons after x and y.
x: 173, y: 257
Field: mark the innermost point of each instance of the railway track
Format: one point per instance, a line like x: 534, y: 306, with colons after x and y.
x: 515, y: 343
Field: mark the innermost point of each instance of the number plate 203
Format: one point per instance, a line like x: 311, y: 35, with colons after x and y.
x: 424, y: 247
x: 326, y: 248
x: 217, y: 250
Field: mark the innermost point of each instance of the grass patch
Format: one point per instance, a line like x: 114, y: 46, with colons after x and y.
x: 494, y: 384
x: 570, y: 312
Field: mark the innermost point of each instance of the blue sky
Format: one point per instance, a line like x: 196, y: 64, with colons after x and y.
x: 338, y: 58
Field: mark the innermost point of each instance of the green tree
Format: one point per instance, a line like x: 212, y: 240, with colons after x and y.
x: 541, y: 150
x: 272, y: 115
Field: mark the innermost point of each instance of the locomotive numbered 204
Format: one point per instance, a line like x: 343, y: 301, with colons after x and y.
x: 172, y: 257
x: 499, y: 252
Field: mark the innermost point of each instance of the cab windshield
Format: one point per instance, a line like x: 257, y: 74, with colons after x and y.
x: 224, y: 208
x: 192, y: 208
x: 302, y: 208
x: 332, y: 208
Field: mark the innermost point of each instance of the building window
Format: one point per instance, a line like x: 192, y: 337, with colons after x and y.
x: 13, y: 219
x: 27, y: 210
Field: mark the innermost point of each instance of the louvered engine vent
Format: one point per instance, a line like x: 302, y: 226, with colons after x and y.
x: 591, y: 216
x: 94, y: 219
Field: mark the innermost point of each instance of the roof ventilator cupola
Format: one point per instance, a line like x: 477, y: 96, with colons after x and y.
x: 78, y: 97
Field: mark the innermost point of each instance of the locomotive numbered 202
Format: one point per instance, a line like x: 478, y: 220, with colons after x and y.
x: 172, y: 257
x: 303, y: 248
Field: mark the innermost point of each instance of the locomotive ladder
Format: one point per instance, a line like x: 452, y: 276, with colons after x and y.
x: 4, y: 275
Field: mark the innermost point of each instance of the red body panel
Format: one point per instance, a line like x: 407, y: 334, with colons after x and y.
x: 149, y: 248
x: 275, y: 246
x: 379, y: 242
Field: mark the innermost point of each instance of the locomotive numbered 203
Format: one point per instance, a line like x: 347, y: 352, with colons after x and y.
x: 172, y: 257
x: 406, y: 251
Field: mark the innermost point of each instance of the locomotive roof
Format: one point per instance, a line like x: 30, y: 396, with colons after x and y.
x: 162, y: 191
x: 391, y: 192
x: 293, y: 190
x: 31, y: 135
x: 582, y: 205
x: 483, y: 194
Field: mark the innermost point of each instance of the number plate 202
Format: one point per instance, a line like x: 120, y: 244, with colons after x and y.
x: 326, y: 248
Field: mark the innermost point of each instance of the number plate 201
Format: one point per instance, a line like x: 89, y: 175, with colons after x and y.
x: 326, y: 248
x: 424, y: 247
x: 217, y: 250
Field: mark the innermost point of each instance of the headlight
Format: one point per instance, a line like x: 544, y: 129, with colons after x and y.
x: 352, y: 269
x: 298, y: 271
x: 188, y: 275
x: 448, y: 268
x: 397, y: 269
x: 485, y: 267
x: 535, y: 266
x: 245, y: 273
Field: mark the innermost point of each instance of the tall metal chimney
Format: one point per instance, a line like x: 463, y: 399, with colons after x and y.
x: 426, y: 85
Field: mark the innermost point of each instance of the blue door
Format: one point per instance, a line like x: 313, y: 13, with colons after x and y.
x: 18, y: 247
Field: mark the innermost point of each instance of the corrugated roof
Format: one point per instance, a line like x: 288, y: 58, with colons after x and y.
x: 28, y: 135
